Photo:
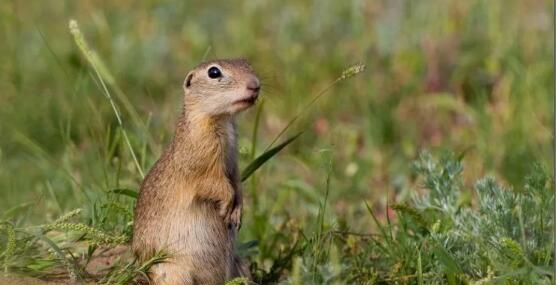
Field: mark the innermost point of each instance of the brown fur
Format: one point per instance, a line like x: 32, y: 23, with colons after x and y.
x: 190, y: 203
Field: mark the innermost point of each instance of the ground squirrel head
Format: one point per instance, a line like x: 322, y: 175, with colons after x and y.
x: 221, y: 87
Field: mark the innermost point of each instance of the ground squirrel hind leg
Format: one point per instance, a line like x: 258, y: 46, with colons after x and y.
x: 167, y: 273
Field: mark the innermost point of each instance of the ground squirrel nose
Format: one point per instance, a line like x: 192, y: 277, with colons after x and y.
x: 254, y: 85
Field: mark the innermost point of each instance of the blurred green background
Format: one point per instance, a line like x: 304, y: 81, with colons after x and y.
x: 464, y: 76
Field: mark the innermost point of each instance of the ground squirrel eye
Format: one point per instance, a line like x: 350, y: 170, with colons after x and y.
x: 214, y: 72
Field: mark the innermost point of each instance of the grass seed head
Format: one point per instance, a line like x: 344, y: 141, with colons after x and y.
x: 352, y: 71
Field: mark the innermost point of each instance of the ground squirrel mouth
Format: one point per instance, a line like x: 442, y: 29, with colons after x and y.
x: 253, y: 87
x: 248, y: 100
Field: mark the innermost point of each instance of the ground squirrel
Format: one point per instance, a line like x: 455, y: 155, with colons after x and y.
x: 190, y: 203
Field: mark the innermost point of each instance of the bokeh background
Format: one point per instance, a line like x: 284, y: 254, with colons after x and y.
x: 469, y: 77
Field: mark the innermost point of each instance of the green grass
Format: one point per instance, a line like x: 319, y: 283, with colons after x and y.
x: 344, y: 202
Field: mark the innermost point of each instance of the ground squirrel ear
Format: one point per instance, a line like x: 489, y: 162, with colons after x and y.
x: 188, y: 80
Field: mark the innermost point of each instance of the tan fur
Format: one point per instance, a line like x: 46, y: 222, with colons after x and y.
x: 190, y: 203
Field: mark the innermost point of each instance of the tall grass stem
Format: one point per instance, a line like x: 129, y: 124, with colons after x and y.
x: 94, y: 61
x: 347, y: 73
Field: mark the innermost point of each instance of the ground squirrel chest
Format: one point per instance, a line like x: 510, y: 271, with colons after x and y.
x: 190, y: 203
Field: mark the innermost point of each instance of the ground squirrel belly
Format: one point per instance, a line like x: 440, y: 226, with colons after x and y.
x: 190, y: 203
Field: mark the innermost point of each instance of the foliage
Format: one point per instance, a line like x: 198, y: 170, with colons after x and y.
x: 83, y: 123
x: 437, y: 239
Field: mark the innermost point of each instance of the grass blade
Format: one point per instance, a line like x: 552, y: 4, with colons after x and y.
x: 259, y: 161
x: 16, y: 211
x: 70, y: 265
x: 125, y: 192
x: 451, y: 266
x: 419, y: 269
x: 378, y: 224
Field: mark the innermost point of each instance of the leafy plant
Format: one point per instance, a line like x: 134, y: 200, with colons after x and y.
x: 435, y: 239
